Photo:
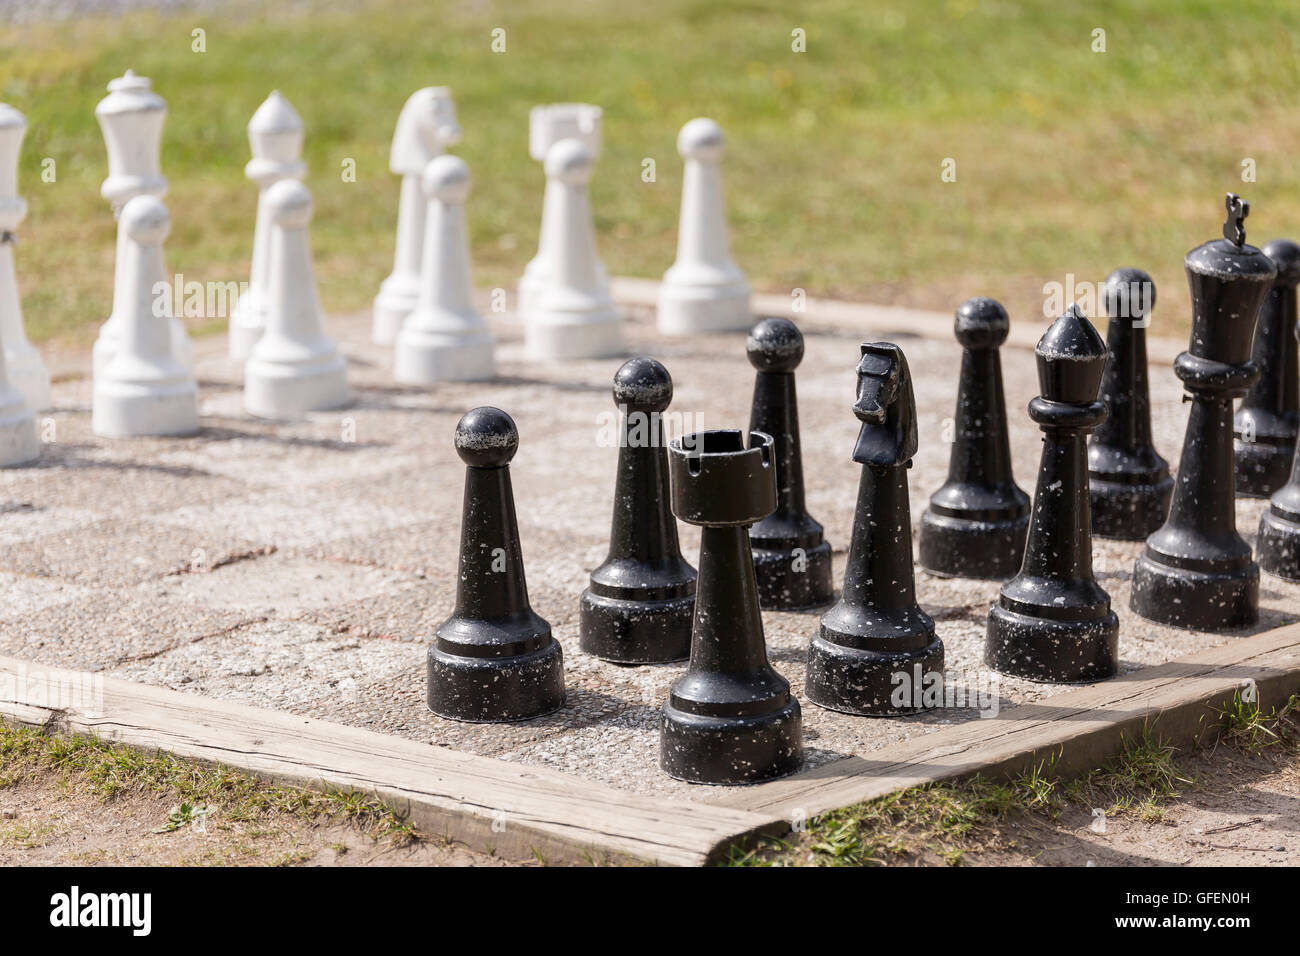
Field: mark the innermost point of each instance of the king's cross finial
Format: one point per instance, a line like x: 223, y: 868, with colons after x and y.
x: 1234, y: 229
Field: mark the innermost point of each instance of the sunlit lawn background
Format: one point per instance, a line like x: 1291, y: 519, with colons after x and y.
x: 1067, y: 160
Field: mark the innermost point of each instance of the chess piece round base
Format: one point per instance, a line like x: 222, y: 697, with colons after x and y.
x: 1277, y: 548
x: 273, y: 391
x: 522, y: 687
x: 125, y: 410
x: 787, y: 582
x: 952, y: 547
x: 1262, y: 467
x: 730, y: 750
x: 423, y: 358
x: 1198, y: 600
x: 629, y: 631
x: 28, y: 374
x: 1058, y: 652
x: 554, y: 335
x: 18, y: 442
x: 396, y: 300
x: 866, y: 682
x: 691, y: 310
x: 1129, y: 512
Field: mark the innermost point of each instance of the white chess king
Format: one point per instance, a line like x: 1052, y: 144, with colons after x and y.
x: 275, y: 137
x: 26, y: 370
x: 295, y: 367
x: 704, y: 291
x: 425, y: 128
x: 547, y: 125
x: 143, y: 389
x: 444, y: 338
x: 572, y: 316
x: 131, y: 119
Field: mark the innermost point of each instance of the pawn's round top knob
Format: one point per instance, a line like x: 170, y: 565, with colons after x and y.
x: 145, y: 220
x: 1286, y: 254
x: 643, y: 385
x: 289, y: 204
x: 775, y: 345
x: 569, y: 161
x: 447, y: 179
x: 486, y: 437
x: 1071, y: 358
x: 701, y: 139
x: 981, y: 323
x: 1129, y: 294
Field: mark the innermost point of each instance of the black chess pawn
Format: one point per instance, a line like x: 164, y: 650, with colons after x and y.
x: 730, y: 718
x: 876, y: 641
x: 1130, y: 483
x: 1268, y: 417
x: 493, y: 659
x: 1052, y: 621
x: 792, y: 560
x: 1279, y: 527
x: 638, y: 607
x: 1196, y: 571
x: 975, y: 524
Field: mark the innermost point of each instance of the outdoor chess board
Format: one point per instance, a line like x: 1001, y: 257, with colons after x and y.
x: 305, y: 567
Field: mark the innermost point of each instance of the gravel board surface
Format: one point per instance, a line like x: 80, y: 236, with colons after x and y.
x: 304, y: 567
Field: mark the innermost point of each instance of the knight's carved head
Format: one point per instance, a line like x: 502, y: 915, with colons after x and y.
x: 425, y: 128
x: 885, y: 406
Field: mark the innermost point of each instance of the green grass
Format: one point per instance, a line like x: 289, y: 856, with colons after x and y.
x: 1067, y: 160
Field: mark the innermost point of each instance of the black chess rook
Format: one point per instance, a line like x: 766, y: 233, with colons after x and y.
x: 638, y: 606
x: 792, y: 559
x: 871, y: 644
x: 730, y: 719
x: 494, y: 659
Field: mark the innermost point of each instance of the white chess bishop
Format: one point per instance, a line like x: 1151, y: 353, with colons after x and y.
x: 704, y: 291
x: 143, y: 389
x: 572, y: 316
x: 547, y: 125
x: 275, y: 137
x: 26, y: 370
x: 444, y: 338
x: 295, y: 367
x: 425, y: 128
x: 131, y: 119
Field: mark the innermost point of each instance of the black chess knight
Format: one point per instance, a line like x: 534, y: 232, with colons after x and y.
x: 1196, y: 571
x: 876, y: 638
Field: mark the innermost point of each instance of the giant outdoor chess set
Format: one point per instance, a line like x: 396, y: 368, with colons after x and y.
x: 286, y: 525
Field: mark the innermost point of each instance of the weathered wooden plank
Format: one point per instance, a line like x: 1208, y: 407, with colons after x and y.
x: 1075, y: 731
x: 510, y: 808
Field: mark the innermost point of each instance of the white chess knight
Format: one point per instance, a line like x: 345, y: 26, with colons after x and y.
x: 425, y: 128
x: 143, y: 389
x: 547, y: 125
x: 131, y: 119
x: 295, y: 367
x: 704, y: 291
x: 572, y: 316
x: 275, y: 136
x: 444, y: 338
x: 26, y: 370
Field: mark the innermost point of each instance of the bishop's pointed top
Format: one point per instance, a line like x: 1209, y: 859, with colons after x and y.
x: 275, y: 115
x: 1071, y: 357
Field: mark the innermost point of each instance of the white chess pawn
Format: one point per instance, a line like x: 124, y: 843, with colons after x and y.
x: 547, y: 125
x: 131, y: 119
x: 444, y: 338
x: 295, y: 367
x: 573, y: 316
x: 425, y: 128
x: 704, y: 291
x: 143, y: 389
x: 27, y: 372
x: 275, y: 137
